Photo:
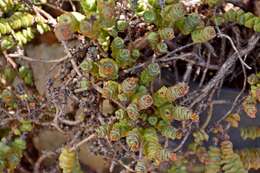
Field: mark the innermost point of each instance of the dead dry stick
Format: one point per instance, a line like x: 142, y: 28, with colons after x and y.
x: 39, y: 60
x: 177, y: 50
x: 164, y: 58
x: 125, y: 166
x: 36, y: 168
x: 72, y: 5
x: 69, y: 122
x: 235, y: 48
x: 236, y: 99
x: 10, y: 60
x: 74, y: 64
x: 76, y: 146
x: 205, y: 71
x: 225, y: 69
x: 182, y: 142
x: 210, y: 112
x: 51, y: 20
x: 187, y: 74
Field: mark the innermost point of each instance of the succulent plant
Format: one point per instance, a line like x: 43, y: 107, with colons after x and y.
x: 121, y: 25
x: 122, y: 57
x: 166, y: 112
x: 117, y: 43
x: 200, y: 136
x: 129, y: 44
x: 203, y: 35
x: 166, y: 33
x: 132, y: 111
x: 149, y: 16
x: 88, y: 6
x: 135, y: 53
x: 129, y: 85
x: 110, y: 89
x: 190, y: 23
x: 108, y: 68
x: 89, y: 28
x: 153, y: 39
x: 173, y: 12
x: 68, y: 161
x: 150, y: 73
x: 133, y: 139
x: 145, y: 102
x: 140, y: 167
x: 181, y: 113
x: 70, y: 20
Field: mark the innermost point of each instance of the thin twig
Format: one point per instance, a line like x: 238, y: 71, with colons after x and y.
x: 10, y: 60
x: 51, y: 19
x: 178, y: 49
x: 225, y: 69
x: 68, y: 122
x: 236, y: 50
x: 99, y: 89
x: 163, y: 57
x: 182, y: 142
x: 187, y: 74
x: 125, y: 166
x: 75, y: 147
x: 36, y: 168
x: 72, y: 5
x: 205, y: 71
x: 74, y: 65
x: 236, y: 99
x: 39, y: 60
x: 210, y: 112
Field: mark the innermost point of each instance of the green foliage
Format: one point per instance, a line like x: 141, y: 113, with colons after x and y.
x: 121, y: 25
x: 173, y: 12
x: 149, y: 16
x: 203, y: 35
x: 142, y: 114
x: 69, y: 162
x: 250, y: 101
x: 190, y: 23
x: 179, y: 166
x: 140, y: 167
x: 200, y: 136
x: 133, y: 139
x: 230, y: 160
x: 169, y: 132
x: 88, y: 6
x: 214, y: 159
x: 182, y: 113
x: 26, y: 74
x: 20, y: 27
x: 250, y: 157
x: 252, y: 132
x: 152, y: 146
x: 108, y: 68
x: 150, y: 73
x: 246, y: 19
x: 11, y: 154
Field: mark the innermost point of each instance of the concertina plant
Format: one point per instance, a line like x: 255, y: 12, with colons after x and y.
x: 19, y: 24
x: 142, y: 114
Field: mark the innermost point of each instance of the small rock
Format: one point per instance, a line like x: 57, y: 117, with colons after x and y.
x: 49, y: 140
x: 107, y: 107
x: 41, y: 70
x: 95, y: 162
